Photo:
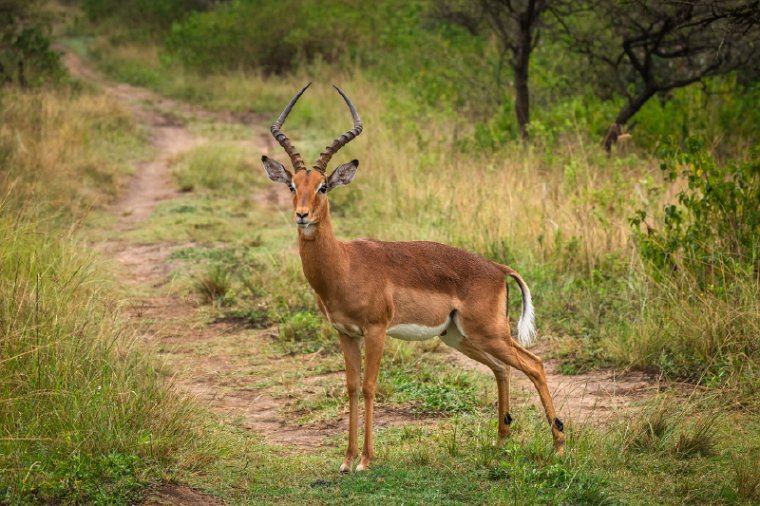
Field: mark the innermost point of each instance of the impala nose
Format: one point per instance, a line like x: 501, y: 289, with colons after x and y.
x: 301, y: 218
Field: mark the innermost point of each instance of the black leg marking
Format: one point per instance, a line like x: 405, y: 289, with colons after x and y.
x: 508, y: 419
x: 560, y: 426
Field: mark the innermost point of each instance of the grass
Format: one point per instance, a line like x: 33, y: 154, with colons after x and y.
x: 74, y: 148
x: 84, y: 417
x: 219, y: 168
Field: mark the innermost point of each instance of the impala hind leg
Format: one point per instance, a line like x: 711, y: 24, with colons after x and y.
x: 353, y: 357
x: 501, y: 373
x: 518, y: 357
x: 374, y: 342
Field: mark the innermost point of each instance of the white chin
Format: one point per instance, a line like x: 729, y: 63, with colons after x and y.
x: 307, y: 230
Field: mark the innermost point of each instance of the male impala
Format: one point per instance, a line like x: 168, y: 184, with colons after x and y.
x: 409, y: 290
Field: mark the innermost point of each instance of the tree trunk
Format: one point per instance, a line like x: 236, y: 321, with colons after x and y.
x: 21, y: 74
x: 522, y: 102
x: 522, y: 93
x: 626, y: 113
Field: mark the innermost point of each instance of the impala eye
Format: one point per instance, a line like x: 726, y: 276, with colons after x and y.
x: 292, y: 188
x: 322, y: 188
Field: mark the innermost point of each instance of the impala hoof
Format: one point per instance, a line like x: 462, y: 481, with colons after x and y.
x: 362, y: 467
x: 345, y: 468
x: 559, y: 446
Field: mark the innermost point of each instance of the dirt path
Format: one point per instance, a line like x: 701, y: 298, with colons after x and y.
x: 595, y: 397
x: 167, y: 319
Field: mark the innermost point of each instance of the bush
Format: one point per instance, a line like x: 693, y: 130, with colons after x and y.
x: 150, y: 16
x: 273, y: 36
x: 25, y: 54
x: 712, y: 232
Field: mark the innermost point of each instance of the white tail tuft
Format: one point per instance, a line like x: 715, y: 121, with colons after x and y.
x: 526, y: 326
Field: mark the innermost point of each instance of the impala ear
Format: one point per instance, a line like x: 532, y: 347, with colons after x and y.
x: 276, y: 171
x: 342, y: 175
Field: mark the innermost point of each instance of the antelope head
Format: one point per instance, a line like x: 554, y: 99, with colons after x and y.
x: 310, y: 186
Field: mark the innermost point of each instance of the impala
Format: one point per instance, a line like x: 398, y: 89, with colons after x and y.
x: 413, y: 290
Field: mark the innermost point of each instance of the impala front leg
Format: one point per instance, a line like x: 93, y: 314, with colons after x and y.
x: 374, y: 342
x: 353, y: 357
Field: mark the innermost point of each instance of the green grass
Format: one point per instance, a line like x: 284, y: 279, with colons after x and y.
x: 219, y: 168
x: 455, y: 462
x: 84, y: 416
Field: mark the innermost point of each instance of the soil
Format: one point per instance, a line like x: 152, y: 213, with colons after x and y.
x: 164, y: 319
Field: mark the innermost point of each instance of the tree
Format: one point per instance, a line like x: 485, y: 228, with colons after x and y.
x: 517, y: 24
x: 645, y: 47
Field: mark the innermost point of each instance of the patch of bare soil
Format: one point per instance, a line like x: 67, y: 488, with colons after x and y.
x: 595, y: 397
x: 170, y: 494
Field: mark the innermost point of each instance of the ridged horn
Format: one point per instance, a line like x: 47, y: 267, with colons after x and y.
x: 295, y: 156
x: 344, y: 139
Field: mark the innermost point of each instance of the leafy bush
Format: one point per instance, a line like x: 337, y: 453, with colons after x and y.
x: 274, y: 36
x: 26, y: 57
x: 699, y: 321
x: 147, y: 15
x: 713, y: 230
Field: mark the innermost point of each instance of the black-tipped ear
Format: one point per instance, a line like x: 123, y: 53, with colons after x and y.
x: 276, y: 171
x: 342, y: 175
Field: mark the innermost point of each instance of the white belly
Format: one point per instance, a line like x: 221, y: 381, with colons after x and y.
x: 416, y: 332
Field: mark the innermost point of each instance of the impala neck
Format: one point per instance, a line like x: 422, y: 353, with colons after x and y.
x: 322, y: 257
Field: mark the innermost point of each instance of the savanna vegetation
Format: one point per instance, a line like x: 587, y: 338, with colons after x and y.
x: 605, y: 150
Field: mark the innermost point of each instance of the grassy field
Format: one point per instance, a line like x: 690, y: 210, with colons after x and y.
x: 92, y: 407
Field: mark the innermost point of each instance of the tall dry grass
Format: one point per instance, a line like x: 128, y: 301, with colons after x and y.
x: 64, y: 150
x: 83, y: 416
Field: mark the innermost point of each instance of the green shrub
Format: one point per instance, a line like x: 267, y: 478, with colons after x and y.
x: 26, y: 57
x: 712, y: 232
x: 274, y: 36
x: 151, y: 16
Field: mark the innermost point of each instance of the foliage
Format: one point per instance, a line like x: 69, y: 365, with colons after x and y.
x: 712, y: 232
x: 702, y: 321
x: 148, y: 17
x: 244, y: 34
x: 26, y: 57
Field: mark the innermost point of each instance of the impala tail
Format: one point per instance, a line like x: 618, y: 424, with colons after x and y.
x: 526, y: 326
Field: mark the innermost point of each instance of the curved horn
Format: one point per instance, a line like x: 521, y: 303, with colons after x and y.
x: 344, y: 139
x: 295, y: 157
